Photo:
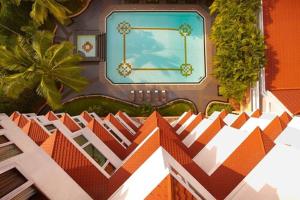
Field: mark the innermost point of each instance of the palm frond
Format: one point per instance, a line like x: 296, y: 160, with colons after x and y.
x: 71, y: 78
x: 9, y: 61
x: 15, y: 85
x: 48, y: 89
x: 41, y: 41
x: 38, y: 13
x: 58, y: 52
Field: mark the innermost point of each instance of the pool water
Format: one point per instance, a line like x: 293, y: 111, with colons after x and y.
x: 155, y: 47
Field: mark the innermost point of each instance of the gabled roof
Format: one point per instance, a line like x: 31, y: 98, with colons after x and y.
x: 86, y: 116
x: 157, y: 135
x: 170, y: 189
x: 282, y: 29
x: 112, y: 119
x: 70, y: 123
x: 51, y: 116
x: 35, y: 132
x: 127, y: 120
x: 76, y: 165
x: 107, y: 138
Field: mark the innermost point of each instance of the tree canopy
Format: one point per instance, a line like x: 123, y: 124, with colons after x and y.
x: 42, y: 66
x: 239, y: 46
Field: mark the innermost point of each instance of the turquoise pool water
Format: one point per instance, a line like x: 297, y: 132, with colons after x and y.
x: 155, y: 47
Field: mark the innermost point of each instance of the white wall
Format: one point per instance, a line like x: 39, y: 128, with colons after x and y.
x: 145, y: 178
x: 36, y: 166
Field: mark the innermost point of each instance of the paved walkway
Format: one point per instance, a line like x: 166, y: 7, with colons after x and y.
x: 94, y: 19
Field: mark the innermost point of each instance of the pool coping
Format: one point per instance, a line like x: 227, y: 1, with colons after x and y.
x: 162, y: 8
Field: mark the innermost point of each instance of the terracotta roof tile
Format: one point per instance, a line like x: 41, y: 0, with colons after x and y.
x: 282, y: 70
x: 14, y: 115
x: 76, y: 165
x: 170, y: 189
x: 86, y: 116
x: 112, y: 119
x: 127, y: 121
x: 35, y: 132
x: 237, y: 165
x: 257, y: 113
x: 206, y: 136
x: 51, y: 116
x: 240, y: 121
x: 191, y: 126
x: 290, y: 98
x: 107, y: 138
x: 70, y: 123
x: 285, y: 118
x: 183, y: 120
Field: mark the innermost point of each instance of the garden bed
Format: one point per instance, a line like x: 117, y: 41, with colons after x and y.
x: 104, y: 105
x: 218, y: 106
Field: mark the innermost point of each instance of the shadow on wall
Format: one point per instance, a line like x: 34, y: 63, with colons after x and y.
x: 271, y: 67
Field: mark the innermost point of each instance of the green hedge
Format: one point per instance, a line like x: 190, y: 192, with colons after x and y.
x: 219, y: 107
x: 103, y: 106
x: 239, y: 45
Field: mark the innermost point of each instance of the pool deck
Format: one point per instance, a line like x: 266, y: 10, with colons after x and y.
x: 93, y: 19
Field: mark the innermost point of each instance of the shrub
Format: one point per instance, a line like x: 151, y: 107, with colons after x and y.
x: 239, y: 46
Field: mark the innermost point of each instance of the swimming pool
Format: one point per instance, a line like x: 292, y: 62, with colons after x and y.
x: 155, y: 47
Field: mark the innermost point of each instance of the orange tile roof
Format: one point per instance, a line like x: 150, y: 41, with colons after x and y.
x: 170, y: 189
x: 86, y: 116
x: 107, y: 138
x: 219, y: 184
x: 191, y: 126
x: 127, y: 121
x: 51, y: 116
x: 76, y: 165
x: 21, y: 120
x: 257, y: 113
x: 240, y: 121
x: 183, y: 120
x: 70, y: 123
x: 206, y: 136
x: 238, y: 165
x: 112, y: 119
x: 35, y: 132
x: 290, y: 98
x: 282, y: 30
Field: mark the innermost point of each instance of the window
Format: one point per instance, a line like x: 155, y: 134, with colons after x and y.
x: 79, y: 122
x: 81, y: 140
x: 13, y: 179
x: 31, y: 193
x: 10, y: 180
x: 3, y: 139
x: 9, y: 151
x: 50, y: 127
x: 112, y: 132
x: 110, y: 169
x: 95, y: 154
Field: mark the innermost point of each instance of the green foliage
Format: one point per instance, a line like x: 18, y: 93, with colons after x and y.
x: 42, y: 8
x: 239, y: 46
x: 103, y: 106
x: 39, y: 65
x: 219, y: 107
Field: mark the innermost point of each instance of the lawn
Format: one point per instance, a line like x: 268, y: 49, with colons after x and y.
x: 103, y: 105
x: 218, y: 106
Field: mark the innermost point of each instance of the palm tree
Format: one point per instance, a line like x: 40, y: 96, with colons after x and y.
x: 41, y: 9
x: 41, y: 65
